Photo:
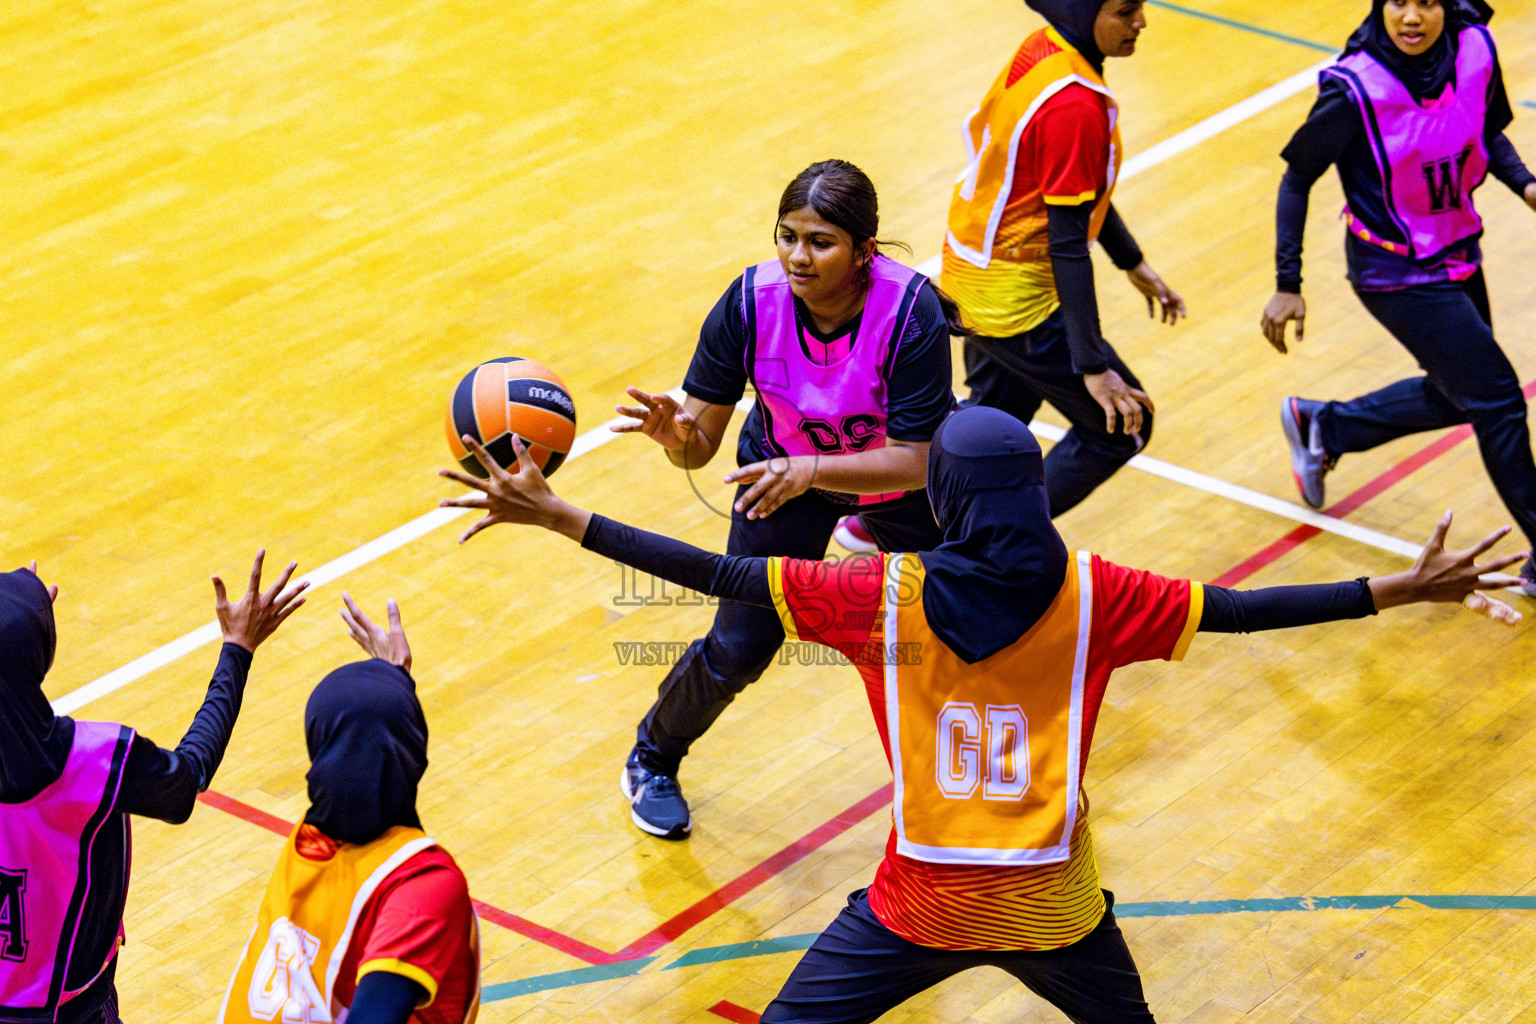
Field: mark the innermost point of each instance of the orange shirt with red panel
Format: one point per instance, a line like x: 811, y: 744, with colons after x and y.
x: 336, y: 912
x: 990, y: 846
x: 1046, y: 133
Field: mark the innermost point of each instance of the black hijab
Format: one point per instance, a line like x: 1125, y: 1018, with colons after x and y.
x: 367, y: 743
x: 1002, y: 563
x: 32, y: 755
x: 1074, y: 20
x: 1426, y: 75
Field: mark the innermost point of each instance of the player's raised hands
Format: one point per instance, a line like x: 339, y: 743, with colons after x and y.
x: 53, y: 592
x: 520, y: 496
x: 258, y: 613
x: 1441, y: 575
x: 659, y: 418
x: 377, y: 642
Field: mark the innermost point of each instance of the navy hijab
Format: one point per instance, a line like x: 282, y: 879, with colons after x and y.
x: 34, y: 743
x: 1002, y: 562
x: 1427, y: 74
x: 367, y: 742
x: 1074, y: 20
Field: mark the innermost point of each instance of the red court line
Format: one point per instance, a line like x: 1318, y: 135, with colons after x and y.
x: 1299, y: 536
x: 656, y: 937
x: 730, y: 1011
x: 245, y: 812
x: 745, y: 883
x: 548, y: 936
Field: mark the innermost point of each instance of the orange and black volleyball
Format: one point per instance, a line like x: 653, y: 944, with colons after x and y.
x: 506, y: 397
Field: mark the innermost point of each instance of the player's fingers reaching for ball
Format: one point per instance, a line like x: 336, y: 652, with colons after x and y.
x: 255, y: 584
x: 521, y: 497
x: 377, y: 642
x: 257, y: 615
x: 472, y: 482
x: 482, y: 524
x: 494, y: 471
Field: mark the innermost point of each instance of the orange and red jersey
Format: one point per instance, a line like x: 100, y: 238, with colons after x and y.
x: 1045, y: 134
x: 336, y: 912
x: 1126, y: 616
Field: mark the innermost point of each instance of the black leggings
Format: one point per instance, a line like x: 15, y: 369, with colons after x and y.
x: 1468, y: 379
x: 858, y: 969
x: 744, y: 638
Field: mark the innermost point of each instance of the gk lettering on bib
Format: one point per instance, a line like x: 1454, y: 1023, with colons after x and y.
x: 987, y: 756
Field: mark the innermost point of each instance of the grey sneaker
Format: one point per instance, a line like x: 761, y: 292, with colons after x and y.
x: 1309, y: 461
x: 656, y: 803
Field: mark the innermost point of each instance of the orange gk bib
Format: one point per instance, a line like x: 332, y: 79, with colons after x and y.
x: 289, y: 969
x: 992, y: 132
x: 987, y: 756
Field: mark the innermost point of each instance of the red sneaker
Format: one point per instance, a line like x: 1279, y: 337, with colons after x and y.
x: 851, y: 534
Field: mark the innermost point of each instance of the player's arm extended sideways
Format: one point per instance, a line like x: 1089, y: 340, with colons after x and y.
x: 525, y: 497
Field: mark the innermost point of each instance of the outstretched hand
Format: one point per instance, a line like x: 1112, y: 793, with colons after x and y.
x: 522, y: 496
x: 258, y: 613
x: 1441, y: 575
x: 660, y: 418
x: 388, y: 645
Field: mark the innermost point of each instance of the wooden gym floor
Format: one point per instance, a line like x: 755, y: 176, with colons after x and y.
x: 249, y: 248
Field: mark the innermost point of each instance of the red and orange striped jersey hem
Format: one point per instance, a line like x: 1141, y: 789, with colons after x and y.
x: 948, y: 906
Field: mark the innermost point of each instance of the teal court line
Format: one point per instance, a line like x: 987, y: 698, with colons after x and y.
x: 564, y: 979
x: 1528, y: 103
x: 1169, y: 908
x: 1244, y: 26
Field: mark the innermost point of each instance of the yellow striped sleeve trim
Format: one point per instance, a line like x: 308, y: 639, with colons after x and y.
x: 776, y: 588
x: 405, y: 970
x: 1191, y: 624
x: 1077, y: 200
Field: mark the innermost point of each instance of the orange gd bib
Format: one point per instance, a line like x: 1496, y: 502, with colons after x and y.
x: 992, y: 135
x: 987, y: 756
x: 289, y: 968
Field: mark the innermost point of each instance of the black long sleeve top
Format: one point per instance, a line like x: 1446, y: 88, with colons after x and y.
x: 1068, y: 228
x: 745, y: 579
x: 157, y: 783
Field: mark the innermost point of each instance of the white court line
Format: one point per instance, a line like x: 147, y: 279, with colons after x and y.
x: 595, y: 438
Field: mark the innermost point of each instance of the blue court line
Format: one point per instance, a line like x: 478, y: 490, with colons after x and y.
x: 1168, y: 908
x: 1218, y: 19
x: 1528, y: 103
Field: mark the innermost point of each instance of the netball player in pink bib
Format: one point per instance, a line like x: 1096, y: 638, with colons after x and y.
x: 848, y: 354
x: 1413, y: 116
x: 67, y: 789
